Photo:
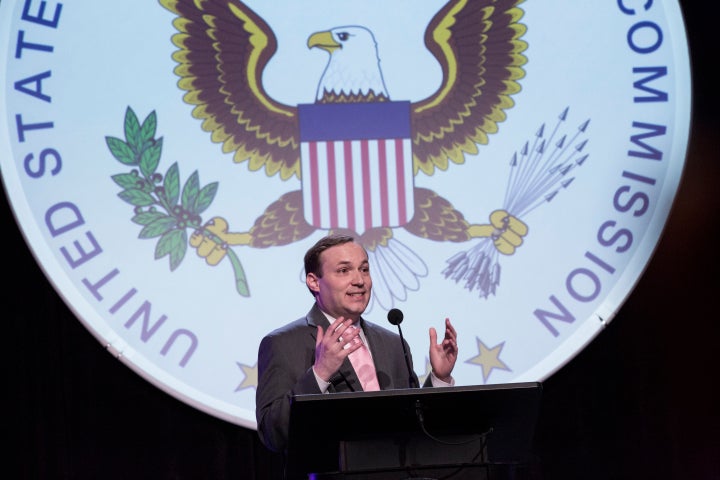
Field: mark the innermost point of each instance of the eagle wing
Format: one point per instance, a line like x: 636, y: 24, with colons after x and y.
x: 478, y: 44
x: 223, y: 48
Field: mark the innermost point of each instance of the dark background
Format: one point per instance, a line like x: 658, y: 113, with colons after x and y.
x: 640, y: 402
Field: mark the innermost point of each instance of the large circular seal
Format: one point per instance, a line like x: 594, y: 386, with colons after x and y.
x: 507, y: 164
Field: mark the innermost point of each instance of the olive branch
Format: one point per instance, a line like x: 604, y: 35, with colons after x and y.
x: 161, y: 208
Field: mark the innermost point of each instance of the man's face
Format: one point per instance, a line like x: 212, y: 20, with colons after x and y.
x: 345, y: 285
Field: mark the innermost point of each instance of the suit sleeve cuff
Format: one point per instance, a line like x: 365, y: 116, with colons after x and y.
x: 436, y: 382
x: 322, y: 384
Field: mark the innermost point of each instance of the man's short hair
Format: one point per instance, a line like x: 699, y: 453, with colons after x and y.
x: 312, y: 256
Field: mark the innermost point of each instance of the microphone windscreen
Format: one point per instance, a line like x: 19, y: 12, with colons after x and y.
x: 395, y: 316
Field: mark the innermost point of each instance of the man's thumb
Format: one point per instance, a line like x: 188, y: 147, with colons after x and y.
x: 433, y: 336
x: 320, y: 335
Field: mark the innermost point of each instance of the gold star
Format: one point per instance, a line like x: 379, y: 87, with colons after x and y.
x: 251, y: 376
x: 489, y: 359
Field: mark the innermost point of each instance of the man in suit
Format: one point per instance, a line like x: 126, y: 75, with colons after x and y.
x: 312, y: 354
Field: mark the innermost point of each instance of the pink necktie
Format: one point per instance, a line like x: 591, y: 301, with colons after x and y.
x: 365, y: 368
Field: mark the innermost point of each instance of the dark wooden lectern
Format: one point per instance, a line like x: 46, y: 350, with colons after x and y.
x: 414, y: 433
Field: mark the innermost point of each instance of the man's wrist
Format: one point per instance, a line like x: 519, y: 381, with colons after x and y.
x: 448, y: 380
x: 322, y: 384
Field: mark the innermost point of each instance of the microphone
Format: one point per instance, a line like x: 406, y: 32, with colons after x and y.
x: 395, y: 317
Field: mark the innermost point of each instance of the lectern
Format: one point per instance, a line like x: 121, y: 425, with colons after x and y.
x: 402, y: 433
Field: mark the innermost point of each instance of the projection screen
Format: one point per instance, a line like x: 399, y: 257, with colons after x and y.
x: 509, y: 165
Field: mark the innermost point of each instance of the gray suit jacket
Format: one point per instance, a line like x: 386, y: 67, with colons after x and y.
x: 285, y: 360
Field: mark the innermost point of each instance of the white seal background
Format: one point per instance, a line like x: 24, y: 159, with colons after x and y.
x: 93, y: 83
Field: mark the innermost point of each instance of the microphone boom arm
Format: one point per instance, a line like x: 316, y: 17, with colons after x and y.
x: 395, y: 317
x: 411, y: 375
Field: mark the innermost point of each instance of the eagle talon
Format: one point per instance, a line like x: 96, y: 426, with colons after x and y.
x: 213, y: 240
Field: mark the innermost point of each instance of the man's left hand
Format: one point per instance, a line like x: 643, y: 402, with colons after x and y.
x: 443, y: 355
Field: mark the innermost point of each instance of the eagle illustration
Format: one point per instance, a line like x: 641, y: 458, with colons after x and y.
x: 223, y: 48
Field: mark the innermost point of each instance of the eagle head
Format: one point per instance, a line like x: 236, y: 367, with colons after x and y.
x: 353, y: 71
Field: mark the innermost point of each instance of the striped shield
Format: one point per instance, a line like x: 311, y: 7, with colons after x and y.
x: 356, y: 165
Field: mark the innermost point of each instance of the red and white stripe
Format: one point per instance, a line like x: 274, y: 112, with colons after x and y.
x: 357, y: 184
